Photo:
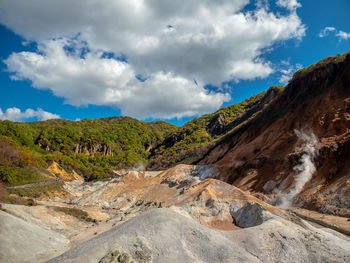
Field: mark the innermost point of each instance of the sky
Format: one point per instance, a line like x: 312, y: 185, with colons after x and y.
x: 156, y: 59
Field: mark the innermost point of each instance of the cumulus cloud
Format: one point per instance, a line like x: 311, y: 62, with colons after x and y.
x: 95, y: 79
x: 170, y: 44
x: 287, y: 71
x: 290, y: 4
x: 15, y: 114
x: 340, y: 34
x: 343, y: 35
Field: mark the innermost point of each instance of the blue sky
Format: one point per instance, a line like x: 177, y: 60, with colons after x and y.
x: 155, y: 61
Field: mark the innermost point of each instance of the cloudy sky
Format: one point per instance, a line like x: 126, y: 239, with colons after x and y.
x: 156, y: 59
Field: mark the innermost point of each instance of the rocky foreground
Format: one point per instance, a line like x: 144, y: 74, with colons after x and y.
x: 177, y: 215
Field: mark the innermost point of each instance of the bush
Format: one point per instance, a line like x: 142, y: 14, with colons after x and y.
x: 80, y: 214
x: 320, y: 64
x: 36, y: 191
x: 12, y: 176
x: 6, y: 197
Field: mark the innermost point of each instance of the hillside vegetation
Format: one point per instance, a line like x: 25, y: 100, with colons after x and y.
x: 94, y: 148
x: 90, y: 147
x: 190, y: 142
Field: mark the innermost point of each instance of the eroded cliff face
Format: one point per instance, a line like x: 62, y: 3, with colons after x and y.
x: 265, y: 154
x: 93, y: 149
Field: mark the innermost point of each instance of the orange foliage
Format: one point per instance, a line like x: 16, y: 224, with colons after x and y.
x: 10, y: 155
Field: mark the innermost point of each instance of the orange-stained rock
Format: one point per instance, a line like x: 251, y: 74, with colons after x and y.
x: 211, y: 202
x: 60, y: 173
x: 261, y: 155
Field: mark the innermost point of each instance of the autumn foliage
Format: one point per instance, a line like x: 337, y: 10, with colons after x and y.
x: 11, y: 156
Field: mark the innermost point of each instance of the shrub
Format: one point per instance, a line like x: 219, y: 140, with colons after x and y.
x: 36, y: 191
x: 18, y: 176
x: 78, y: 213
x: 6, y: 197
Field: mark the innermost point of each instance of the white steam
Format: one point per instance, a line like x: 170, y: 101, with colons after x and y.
x: 139, y: 167
x: 305, y: 169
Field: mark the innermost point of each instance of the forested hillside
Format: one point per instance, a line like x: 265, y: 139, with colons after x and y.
x: 91, y: 147
x: 94, y: 148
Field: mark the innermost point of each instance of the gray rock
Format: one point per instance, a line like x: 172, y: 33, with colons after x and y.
x: 250, y: 215
x: 164, y: 236
x: 22, y: 242
x: 170, y: 235
x: 278, y: 240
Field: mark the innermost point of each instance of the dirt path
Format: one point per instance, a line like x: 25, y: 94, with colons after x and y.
x: 340, y: 224
x: 56, y: 182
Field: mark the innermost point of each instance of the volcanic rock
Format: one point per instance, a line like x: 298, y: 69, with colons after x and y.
x: 262, y: 155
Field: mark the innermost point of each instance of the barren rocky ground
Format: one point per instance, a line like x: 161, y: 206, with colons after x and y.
x: 176, y: 215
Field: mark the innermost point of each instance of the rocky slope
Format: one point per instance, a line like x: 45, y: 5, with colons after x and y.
x: 21, y: 241
x: 165, y: 235
x: 191, y: 141
x: 299, y: 146
x: 176, y: 215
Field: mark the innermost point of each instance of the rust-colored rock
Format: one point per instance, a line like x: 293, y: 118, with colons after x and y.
x: 260, y: 155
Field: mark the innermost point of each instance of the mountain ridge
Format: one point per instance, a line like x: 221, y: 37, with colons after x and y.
x: 94, y: 148
x: 264, y: 155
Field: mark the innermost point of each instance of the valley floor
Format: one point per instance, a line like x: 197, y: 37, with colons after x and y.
x: 176, y: 215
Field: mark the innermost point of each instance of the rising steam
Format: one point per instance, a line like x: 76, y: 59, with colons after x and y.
x: 305, y: 169
x: 139, y: 167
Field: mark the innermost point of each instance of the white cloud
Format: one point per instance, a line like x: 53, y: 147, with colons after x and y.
x: 343, y: 35
x: 288, y: 71
x: 340, y: 34
x: 325, y: 32
x: 290, y: 4
x: 15, y: 114
x: 94, y: 79
x: 164, y: 41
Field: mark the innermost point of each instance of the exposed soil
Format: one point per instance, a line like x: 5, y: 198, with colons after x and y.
x: 261, y: 156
